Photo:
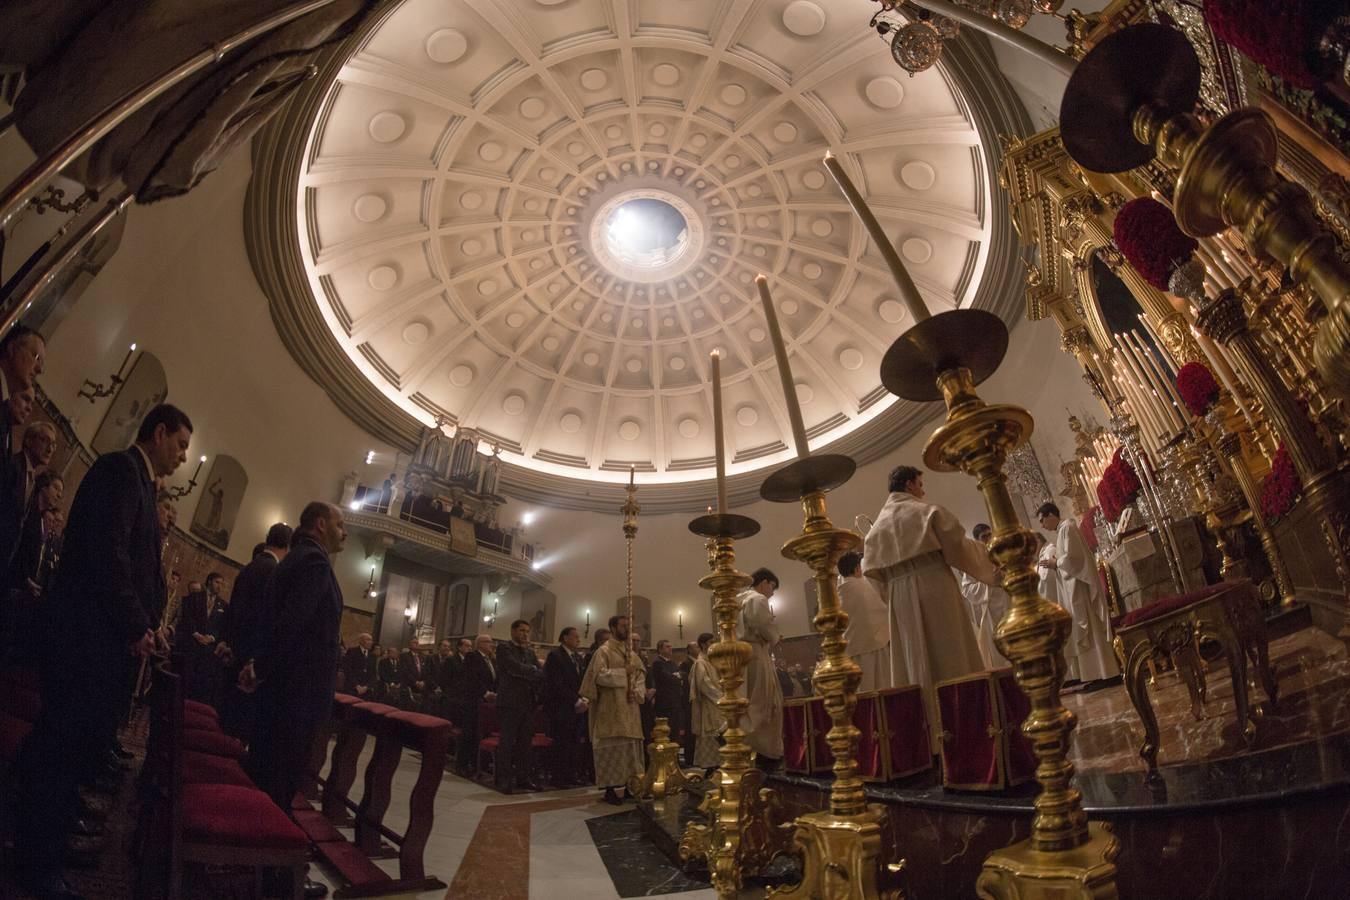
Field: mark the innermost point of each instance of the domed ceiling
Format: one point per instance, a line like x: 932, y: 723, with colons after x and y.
x: 537, y: 218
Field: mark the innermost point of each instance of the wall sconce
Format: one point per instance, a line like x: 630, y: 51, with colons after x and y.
x: 91, y: 390
x: 679, y: 614
x: 587, y: 632
x: 409, y: 612
x: 178, y: 492
x: 491, y: 618
x: 772, y: 611
x: 370, y: 587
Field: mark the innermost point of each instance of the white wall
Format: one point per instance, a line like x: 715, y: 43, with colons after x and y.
x: 182, y: 287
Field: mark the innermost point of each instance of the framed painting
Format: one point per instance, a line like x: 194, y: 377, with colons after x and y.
x: 223, y: 491
x: 145, y: 388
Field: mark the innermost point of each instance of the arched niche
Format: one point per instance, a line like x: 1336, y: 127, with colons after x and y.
x: 145, y: 387
x: 1112, y: 308
x: 642, y: 616
x: 222, y: 493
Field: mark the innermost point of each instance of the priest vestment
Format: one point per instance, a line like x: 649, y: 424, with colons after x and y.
x: 764, y: 716
x: 912, y: 549
x: 869, y: 632
x: 615, y: 687
x: 705, y: 718
x: 987, y: 606
x: 1049, y: 589
x: 1081, y: 594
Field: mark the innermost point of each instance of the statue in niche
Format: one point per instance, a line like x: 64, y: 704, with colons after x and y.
x: 490, y: 472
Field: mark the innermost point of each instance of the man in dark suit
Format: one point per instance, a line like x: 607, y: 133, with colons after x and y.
x: 295, y: 668
x: 21, y: 353
x: 479, y: 686
x: 519, y: 675
x: 665, y: 677
x: 199, y: 620
x: 243, y: 630
x: 358, y: 667
x: 564, y: 706
x: 110, y: 592
x: 412, y: 676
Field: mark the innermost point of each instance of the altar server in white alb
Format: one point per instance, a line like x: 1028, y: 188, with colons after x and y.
x: 1048, y: 586
x: 912, y: 549
x: 764, y: 715
x: 868, y: 635
x: 1080, y: 592
x: 987, y: 605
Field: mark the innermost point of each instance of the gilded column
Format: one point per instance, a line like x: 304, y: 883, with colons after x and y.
x: 1324, y: 485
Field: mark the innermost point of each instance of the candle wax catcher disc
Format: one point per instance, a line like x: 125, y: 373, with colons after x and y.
x: 823, y: 472
x: 724, y: 525
x: 963, y: 338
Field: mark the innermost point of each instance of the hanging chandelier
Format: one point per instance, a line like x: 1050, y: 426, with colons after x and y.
x: 916, y: 35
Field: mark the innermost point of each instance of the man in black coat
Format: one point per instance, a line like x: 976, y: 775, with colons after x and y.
x: 412, y: 676
x: 479, y: 685
x: 21, y: 353
x: 295, y: 669
x: 670, y: 686
x: 110, y: 593
x: 518, y: 677
x: 358, y: 667
x: 243, y: 630
x: 565, y: 708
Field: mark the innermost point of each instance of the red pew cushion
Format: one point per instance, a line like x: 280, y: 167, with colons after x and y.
x: 237, y: 817
x: 206, y: 768
x: 214, y: 742
x: 200, y: 708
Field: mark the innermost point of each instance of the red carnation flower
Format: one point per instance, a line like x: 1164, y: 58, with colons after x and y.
x: 1282, y: 37
x: 1197, y: 387
x: 1281, y: 487
x: 1089, y: 526
x: 1147, y: 233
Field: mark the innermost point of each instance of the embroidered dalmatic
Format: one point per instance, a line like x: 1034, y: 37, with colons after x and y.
x: 615, y: 688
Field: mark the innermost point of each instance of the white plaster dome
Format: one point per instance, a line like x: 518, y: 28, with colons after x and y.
x: 458, y: 182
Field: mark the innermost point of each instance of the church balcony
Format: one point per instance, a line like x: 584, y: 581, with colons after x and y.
x: 422, y: 531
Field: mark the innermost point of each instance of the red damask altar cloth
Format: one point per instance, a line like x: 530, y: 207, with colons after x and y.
x: 796, y: 757
x: 892, y: 734
x: 981, y: 717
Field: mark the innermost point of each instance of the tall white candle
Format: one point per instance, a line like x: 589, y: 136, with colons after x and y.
x: 784, y: 371
x: 909, y: 292
x: 717, y: 432
x: 1168, y: 382
x: 1171, y: 419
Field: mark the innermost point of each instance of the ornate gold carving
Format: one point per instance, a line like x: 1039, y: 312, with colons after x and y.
x: 664, y: 775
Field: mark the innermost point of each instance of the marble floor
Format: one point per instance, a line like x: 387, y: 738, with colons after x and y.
x: 556, y: 844
x: 1313, y: 672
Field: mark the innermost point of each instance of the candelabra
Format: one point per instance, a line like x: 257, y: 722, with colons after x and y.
x: 178, y: 493
x: 93, y: 390
x: 664, y: 776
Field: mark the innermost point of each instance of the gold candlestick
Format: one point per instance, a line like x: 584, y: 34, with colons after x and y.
x: 845, y: 839
x: 721, y: 841
x: 1066, y: 856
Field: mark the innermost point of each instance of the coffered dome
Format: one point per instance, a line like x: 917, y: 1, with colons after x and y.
x: 536, y: 218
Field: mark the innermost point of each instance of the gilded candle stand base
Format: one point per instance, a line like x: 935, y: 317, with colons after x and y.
x: 1064, y: 857
x: 664, y: 775
x: 1021, y: 871
x: 722, y: 841
x: 839, y: 849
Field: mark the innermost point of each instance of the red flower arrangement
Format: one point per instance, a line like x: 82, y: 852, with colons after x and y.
x: 1088, y: 524
x: 1282, y: 37
x: 1146, y: 232
x: 1282, y: 486
x: 1118, y: 488
x: 1197, y: 387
